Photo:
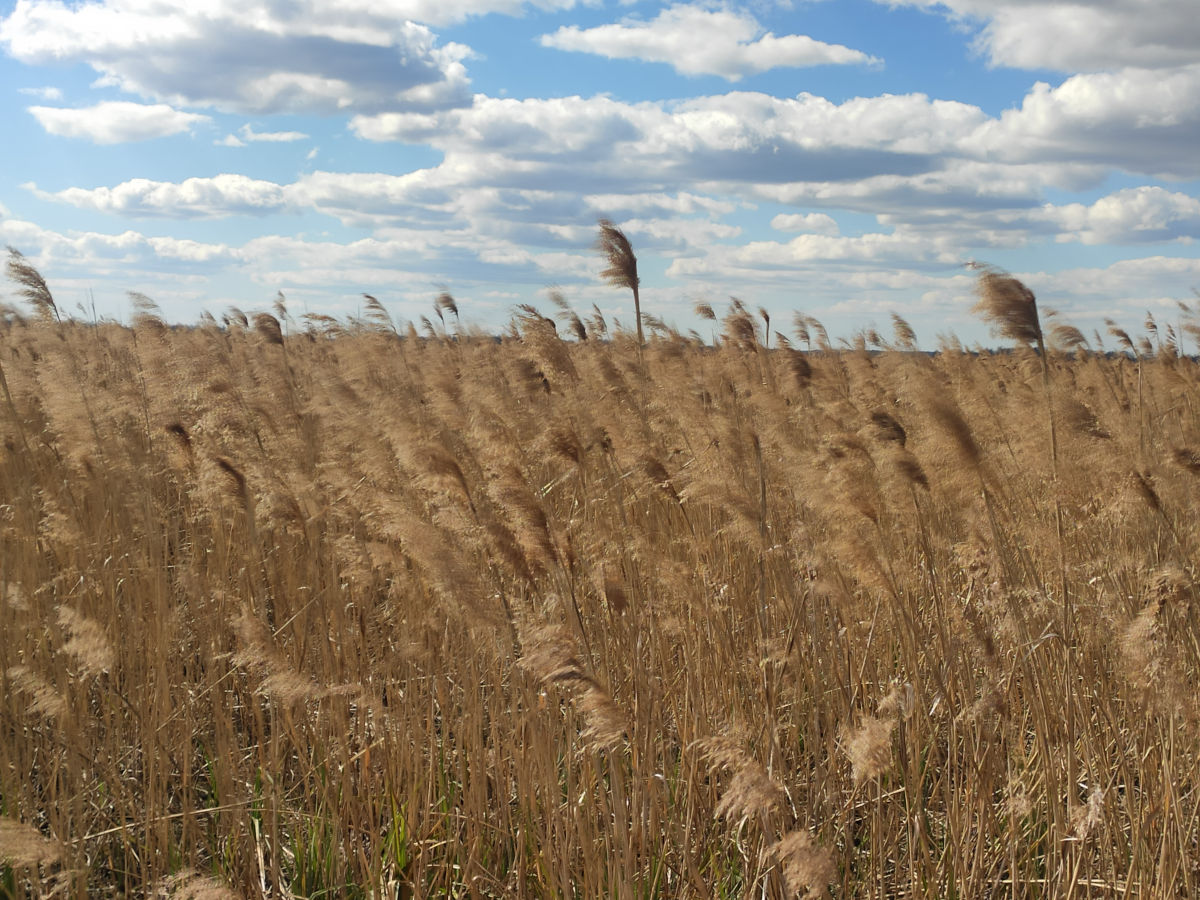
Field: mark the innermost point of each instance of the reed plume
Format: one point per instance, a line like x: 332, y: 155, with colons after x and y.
x: 1009, y: 307
x: 32, y: 286
x: 622, y: 269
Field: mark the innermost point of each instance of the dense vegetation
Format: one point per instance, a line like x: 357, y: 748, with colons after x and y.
x: 324, y: 608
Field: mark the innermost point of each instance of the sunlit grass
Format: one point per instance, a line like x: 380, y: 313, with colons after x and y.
x: 329, y: 609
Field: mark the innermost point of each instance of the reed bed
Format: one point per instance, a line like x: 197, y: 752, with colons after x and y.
x: 334, y: 609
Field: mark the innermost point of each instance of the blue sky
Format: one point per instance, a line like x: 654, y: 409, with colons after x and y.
x: 842, y: 158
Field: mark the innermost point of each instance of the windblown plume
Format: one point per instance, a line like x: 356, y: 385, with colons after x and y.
x: 616, y: 249
x: 1008, y: 306
x: 576, y: 327
x: 33, y: 286
x: 751, y: 790
x: 766, y: 317
x: 268, y: 327
x: 597, y: 322
x: 1122, y: 336
x: 447, y: 303
x: 146, y: 313
x: 905, y: 337
x: 622, y: 265
x: 375, y: 312
x: 1067, y: 337
x: 739, y: 328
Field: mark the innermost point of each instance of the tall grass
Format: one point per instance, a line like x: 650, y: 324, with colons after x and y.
x: 322, y: 609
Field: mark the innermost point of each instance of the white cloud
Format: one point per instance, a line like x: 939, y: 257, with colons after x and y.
x: 169, y: 248
x: 521, y: 183
x: 679, y: 235
x: 222, y: 195
x: 116, y: 122
x: 1138, y: 120
x: 816, y: 223
x: 699, y: 41
x: 271, y: 137
x: 1080, y: 36
x: 1135, y: 215
x: 256, y: 56
x: 533, y: 172
x: 733, y: 138
x: 684, y: 203
x: 912, y: 249
x: 954, y: 190
x: 104, y: 254
x: 375, y: 198
x: 372, y: 199
x: 247, y: 134
x: 1123, y: 289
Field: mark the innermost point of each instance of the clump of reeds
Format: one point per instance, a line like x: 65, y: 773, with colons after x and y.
x: 553, y: 616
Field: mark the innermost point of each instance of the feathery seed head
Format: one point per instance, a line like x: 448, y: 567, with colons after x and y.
x: 33, y: 286
x: 808, y: 868
x: 1008, y: 306
x: 614, y: 246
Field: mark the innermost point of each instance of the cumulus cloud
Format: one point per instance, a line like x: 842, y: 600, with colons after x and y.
x: 271, y: 137
x: 103, y: 254
x: 815, y: 223
x: 1125, y: 288
x: 537, y: 171
x: 914, y: 250
x: 521, y: 183
x: 372, y: 199
x: 534, y: 128
x: 1079, y: 37
x: 681, y: 235
x: 657, y: 204
x: 247, y: 134
x: 256, y: 56
x: 702, y: 41
x: 216, y: 197
x: 1138, y: 120
x: 954, y: 189
x: 736, y: 138
x: 376, y: 199
x: 1146, y: 214
x: 116, y: 122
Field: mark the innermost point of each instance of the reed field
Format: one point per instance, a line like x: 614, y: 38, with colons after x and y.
x: 315, y: 608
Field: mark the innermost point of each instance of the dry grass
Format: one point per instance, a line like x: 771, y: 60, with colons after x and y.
x: 326, y: 610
